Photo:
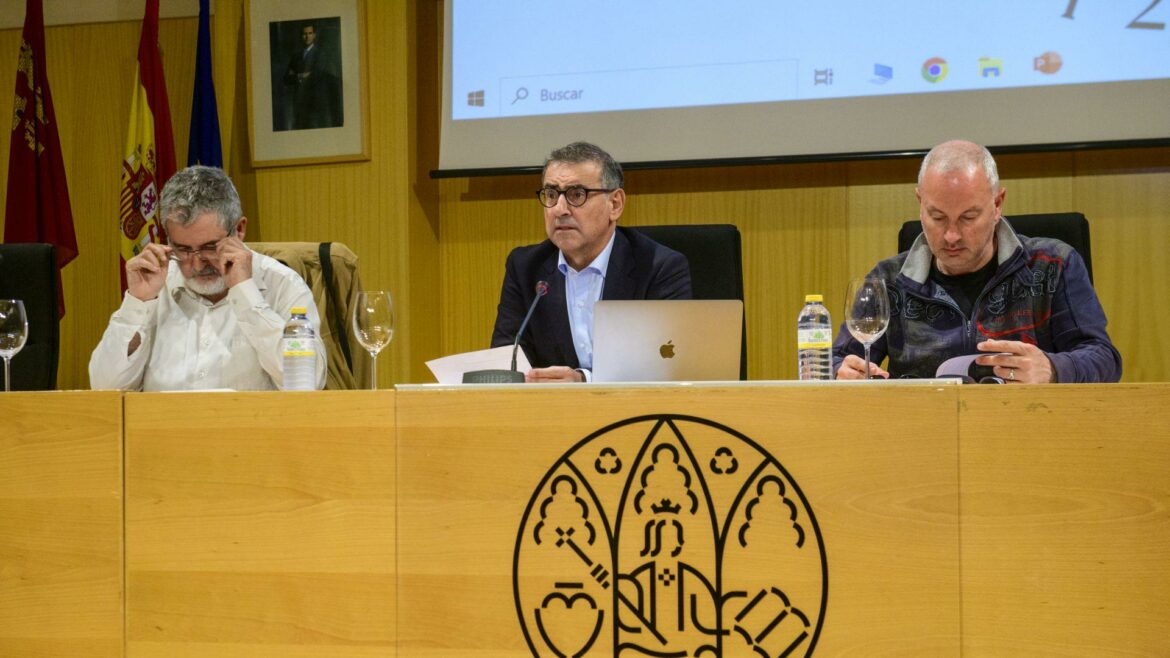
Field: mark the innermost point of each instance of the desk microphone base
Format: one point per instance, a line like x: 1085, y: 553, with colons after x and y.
x: 493, y: 377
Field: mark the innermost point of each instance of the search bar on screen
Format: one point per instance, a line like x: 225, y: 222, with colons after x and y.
x: 635, y: 89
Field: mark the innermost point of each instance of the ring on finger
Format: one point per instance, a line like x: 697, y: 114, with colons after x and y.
x: 1012, y: 374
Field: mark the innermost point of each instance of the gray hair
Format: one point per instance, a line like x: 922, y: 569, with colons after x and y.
x: 197, y: 190
x: 960, y: 156
x: 578, y: 152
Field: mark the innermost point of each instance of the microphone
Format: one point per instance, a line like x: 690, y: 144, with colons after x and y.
x: 511, y: 376
x: 541, y: 291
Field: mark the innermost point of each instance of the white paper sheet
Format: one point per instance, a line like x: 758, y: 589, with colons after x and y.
x: 960, y: 365
x: 450, y: 369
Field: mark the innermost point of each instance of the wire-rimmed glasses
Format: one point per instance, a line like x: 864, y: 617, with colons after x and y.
x: 575, y: 195
x: 185, y: 253
x: 13, y: 333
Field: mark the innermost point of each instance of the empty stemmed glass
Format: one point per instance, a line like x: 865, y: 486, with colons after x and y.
x: 867, y: 312
x: 373, y: 325
x: 13, y: 333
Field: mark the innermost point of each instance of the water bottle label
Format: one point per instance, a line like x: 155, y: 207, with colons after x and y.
x: 811, y: 339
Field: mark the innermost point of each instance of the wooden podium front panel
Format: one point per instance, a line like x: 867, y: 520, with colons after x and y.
x: 61, y: 524
x: 260, y: 524
x: 1066, y: 520
x: 478, y: 470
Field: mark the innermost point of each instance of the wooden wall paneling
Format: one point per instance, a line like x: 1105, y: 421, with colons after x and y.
x: 469, y: 461
x: 256, y: 527
x: 61, y: 525
x: 424, y: 103
x: 1066, y: 520
x: 881, y: 198
x: 1126, y: 196
x: 481, y: 221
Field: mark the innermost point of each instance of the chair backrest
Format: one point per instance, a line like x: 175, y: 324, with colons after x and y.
x: 330, y: 271
x: 716, y: 260
x: 1068, y: 227
x: 28, y: 272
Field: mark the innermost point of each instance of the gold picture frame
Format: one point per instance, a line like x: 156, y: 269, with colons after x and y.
x: 307, y: 92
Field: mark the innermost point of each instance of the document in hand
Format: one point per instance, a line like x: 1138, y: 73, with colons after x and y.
x: 965, y: 367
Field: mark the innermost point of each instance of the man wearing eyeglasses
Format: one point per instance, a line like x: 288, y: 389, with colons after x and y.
x: 203, y: 311
x: 587, y: 257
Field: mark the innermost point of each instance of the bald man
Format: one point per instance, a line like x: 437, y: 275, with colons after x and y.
x: 971, y: 284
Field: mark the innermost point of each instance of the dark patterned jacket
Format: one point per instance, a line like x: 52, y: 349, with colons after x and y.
x: 1040, y: 294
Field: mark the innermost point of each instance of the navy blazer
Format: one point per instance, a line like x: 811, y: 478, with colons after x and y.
x: 639, y: 268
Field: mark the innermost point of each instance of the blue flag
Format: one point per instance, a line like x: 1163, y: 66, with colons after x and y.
x: 204, y: 147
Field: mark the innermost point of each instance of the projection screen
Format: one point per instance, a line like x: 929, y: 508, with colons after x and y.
x: 664, y: 82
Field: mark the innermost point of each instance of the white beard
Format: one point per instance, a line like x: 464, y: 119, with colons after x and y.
x: 216, y: 287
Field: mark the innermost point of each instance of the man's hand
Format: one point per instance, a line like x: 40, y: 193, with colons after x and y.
x: 147, y: 272
x: 853, y: 367
x: 234, y: 260
x: 553, y: 375
x: 1027, y: 364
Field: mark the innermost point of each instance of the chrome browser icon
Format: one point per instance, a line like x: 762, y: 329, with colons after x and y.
x: 934, y: 69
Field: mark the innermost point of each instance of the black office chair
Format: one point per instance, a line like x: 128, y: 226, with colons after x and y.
x: 716, y: 263
x: 1069, y: 227
x: 28, y: 272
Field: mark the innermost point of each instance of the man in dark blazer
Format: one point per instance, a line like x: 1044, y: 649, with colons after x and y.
x: 587, y: 257
x: 311, y: 83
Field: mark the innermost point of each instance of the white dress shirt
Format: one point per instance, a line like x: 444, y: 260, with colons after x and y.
x: 188, y: 343
x: 582, y: 290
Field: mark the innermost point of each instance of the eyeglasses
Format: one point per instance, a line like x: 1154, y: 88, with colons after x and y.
x: 207, y: 252
x: 576, y: 195
x: 181, y: 252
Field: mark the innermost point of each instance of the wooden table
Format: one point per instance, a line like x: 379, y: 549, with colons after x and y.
x: 921, y: 519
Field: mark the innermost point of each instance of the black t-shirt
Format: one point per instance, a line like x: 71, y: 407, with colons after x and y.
x: 965, y: 288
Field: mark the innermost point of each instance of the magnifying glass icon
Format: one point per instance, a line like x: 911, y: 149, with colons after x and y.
x: 521, y: 94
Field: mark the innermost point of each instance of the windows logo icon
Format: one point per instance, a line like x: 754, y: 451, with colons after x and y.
x: 934, y: 69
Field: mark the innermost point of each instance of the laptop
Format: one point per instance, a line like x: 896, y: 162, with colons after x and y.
x: 667, y: 340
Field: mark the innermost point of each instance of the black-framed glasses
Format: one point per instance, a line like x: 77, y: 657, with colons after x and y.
x: 575, y: 195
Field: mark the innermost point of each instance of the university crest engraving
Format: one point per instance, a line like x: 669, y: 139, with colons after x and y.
x: 669, y: 535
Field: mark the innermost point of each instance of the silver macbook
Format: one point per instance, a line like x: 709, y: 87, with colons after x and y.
x: 667, y: 340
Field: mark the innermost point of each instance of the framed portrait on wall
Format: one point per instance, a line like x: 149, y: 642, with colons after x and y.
x: 307, y: 93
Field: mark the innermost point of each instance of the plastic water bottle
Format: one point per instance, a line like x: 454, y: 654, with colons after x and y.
x: 814, y: 340
x: 298, y: 349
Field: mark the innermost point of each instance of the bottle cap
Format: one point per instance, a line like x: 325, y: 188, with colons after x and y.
x: 298, y: 310
x: 813, y: 298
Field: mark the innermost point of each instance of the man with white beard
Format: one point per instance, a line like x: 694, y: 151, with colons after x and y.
x: 202, y: 311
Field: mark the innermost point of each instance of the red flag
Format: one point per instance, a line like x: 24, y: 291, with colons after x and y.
x: 37, y: 208
x: 149, y: 159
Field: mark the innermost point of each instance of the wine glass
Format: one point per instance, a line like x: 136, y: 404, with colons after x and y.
x: 867, y: 312
x: 373, y: 325
x: 13, y: 333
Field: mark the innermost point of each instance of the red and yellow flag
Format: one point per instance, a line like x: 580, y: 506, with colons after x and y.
x: 37, y: 207
x: 150, y: 147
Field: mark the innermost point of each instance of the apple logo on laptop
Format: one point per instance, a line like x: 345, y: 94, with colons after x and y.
x: 667, y: 350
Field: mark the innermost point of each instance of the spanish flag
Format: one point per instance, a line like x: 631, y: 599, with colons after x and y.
x: 37, y: 207
x: 150, y: 147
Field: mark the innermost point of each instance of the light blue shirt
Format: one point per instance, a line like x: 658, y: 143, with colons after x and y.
x: 582, y: 290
